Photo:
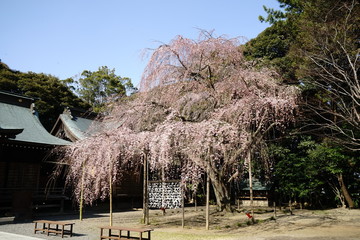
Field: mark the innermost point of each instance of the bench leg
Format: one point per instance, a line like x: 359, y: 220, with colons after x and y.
x: 71, y: 229
x: 48, y: 229
x: 62, y: 231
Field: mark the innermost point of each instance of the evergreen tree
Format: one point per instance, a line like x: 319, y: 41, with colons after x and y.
x: 97, y: 88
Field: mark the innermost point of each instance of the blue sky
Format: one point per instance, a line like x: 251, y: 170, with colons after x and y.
x: 65, y: 37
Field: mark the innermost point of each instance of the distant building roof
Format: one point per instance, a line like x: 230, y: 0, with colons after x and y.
x: 20, y: 124
x: 73, y: 125
x: 257, y: 185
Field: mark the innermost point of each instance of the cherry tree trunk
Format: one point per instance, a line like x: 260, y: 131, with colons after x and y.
x: 220, y: 190
x: 222, y: 195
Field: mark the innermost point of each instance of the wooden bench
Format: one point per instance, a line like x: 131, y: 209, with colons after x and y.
x: 120, y: 230
x: 45, y: 227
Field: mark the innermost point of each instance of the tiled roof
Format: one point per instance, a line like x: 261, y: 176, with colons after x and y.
x: 15, y: 117
x: 76, y: 125
x: 257, y: 185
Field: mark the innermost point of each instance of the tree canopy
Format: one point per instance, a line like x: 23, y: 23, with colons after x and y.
x: 314, y: 44
x: 330, y: 65
x: 98, y: 87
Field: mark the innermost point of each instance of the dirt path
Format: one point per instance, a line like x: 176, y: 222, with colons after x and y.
x: 334, y: 224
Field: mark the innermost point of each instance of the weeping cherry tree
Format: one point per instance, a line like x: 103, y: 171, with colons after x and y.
x: 201, y: 107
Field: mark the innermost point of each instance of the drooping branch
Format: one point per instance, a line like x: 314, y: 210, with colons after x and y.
x: 202, y: 125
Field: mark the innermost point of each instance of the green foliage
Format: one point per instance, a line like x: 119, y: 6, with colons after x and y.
x: 50, y: 94
x: 312, y: 43
x: 308, y: 171
x: 273, y: 45
x: 291, y: 8
x: 328, y: 56
x: 99, y: 87
x: 273, y: 42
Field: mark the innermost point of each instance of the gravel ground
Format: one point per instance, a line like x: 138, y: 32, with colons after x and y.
x: 334, y: 224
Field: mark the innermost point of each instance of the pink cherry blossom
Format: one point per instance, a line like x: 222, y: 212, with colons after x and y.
x: 201, y: 108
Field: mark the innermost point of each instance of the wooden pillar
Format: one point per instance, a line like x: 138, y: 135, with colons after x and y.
x: 145, y: 192
x: 183, y: 207
x: 274, y: 209
x: 195, y: 202
x: 111, y: 198
x: 251, y: 186
x: 207, y: 201
x: 82, y: 192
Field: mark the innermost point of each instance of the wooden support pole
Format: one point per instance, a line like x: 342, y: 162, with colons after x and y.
x: 207, y: 201
x: 195, y: 200
x: 145, y: 193
x: 274, y: 210
x: 82, y: 192
x: 183, y: 207
x: 111, y: 198
x: 251, y: 187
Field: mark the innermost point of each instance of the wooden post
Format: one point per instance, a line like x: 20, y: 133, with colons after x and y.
x: 251, y: 187
x: 207, y: 201
x: 147, y: 222
x: 195, y: 200
x: 274, y: 210
x: 82, y: 192
x: 111, y: 197
x: 183, y: 207
x: 145, y: 192
x: 163, y: 190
